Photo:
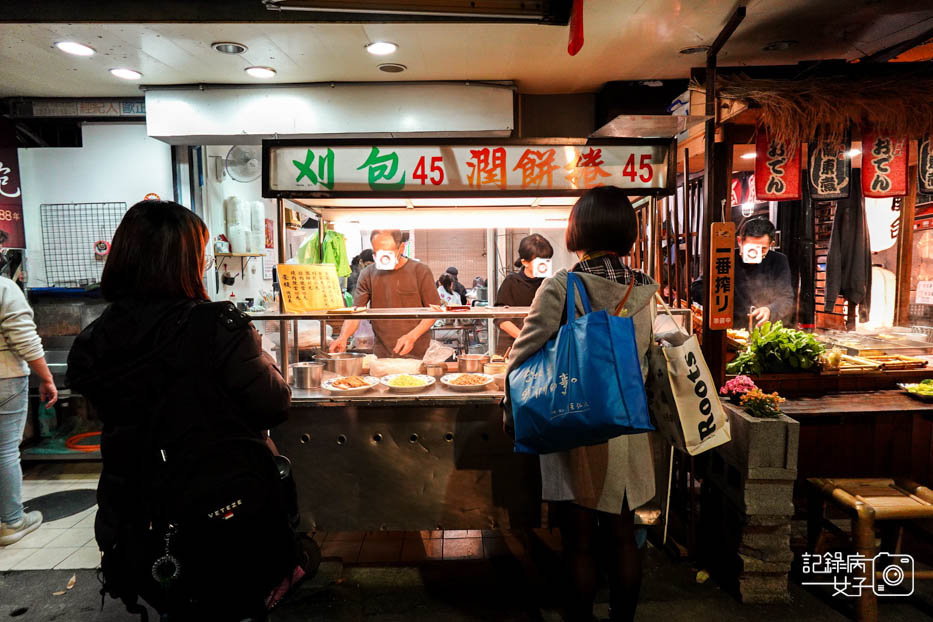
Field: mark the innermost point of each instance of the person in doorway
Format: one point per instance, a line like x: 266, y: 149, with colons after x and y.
x: 596, y: 488
x: 458, y: 287
x: 393, y: 281
x: 20, y: 352
x: 445, y: 289
x: 358, y: 264
x: 519, y: 288
x: 762, y: 290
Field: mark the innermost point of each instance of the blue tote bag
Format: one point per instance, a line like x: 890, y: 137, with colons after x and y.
x: 584, y: 386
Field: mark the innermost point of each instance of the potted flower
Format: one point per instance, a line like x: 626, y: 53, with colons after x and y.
x: 736, y: 387
x: 763, y: 405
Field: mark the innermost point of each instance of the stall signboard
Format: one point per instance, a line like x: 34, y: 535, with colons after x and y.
x: 884, y: 165
x: 413, y: 168
x: 12, y: 230
x: 924, y: 294
x: 777, y: 169
x: 722, y: 275
x: 307, y: 288
x: 829, y: 169
x: 925, y: 165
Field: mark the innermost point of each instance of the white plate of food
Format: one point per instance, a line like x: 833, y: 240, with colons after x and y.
x: 467, y: 381
x: 350, y: 385
x: 407, y: 383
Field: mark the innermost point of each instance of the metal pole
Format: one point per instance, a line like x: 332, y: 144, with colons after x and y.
x: 283, y: 325
x: 321, y: 225
x: 491, y: 253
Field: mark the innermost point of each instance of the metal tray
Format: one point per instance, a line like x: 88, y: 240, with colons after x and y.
x: 922, y: 398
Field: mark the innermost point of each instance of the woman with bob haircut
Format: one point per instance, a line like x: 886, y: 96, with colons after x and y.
x: 596, y: 489
x: 518, y: 289
x: 172, y: 376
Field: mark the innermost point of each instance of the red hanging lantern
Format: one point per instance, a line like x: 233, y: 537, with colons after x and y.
x: 777, y: 169
x: 884, y: 165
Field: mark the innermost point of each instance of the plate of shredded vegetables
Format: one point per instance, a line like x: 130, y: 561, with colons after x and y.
x: 922, y: 390
x: 407, y: 383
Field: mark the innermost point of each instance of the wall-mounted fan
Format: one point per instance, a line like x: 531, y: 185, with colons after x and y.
x: 243, y: 163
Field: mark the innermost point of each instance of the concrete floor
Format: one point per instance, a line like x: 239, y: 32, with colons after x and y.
x: 504, y: 588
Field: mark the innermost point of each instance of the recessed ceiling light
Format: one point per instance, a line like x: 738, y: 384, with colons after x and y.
x: 381, y: 48
x: 229, y: 47
x: 748, y: 156
x: 392, y: 68
x: 780, y: 46
x: 699, y: 49
x: 126, y: 74
x: 261, y: 72
x: 73, y: 47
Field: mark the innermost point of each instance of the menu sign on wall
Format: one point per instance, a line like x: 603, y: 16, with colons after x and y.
x: 722, y: 271
x: 307, y: 288
x: 829, y: 169
x: 884, y: 165
x: 777, y: 169
x: 12, y: 231
x: 334, y: 169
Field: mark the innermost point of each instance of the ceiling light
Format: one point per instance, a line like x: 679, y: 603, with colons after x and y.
x: 229, y: 47
x: 853, y: 152
x: 780, y: 46
x: 699, y: 49
x: 126, y: 74
x: 748, y: 156
x: 72, y: 47
x: 261, y: 72
x: 381, y: 48
x: 392, y: 68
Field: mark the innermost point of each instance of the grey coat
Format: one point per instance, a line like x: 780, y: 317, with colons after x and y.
x: 599, y: 476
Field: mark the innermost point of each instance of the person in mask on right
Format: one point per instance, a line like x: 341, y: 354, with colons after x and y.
x: 763, y: 289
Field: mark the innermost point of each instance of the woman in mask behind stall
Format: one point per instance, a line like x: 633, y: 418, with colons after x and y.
x: 519, y: 288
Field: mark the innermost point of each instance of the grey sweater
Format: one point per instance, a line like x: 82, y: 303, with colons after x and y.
x: 599, y: 476
x: 21, y: 342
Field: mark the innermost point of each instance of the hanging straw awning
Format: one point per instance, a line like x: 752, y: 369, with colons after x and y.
x: 825, y: 107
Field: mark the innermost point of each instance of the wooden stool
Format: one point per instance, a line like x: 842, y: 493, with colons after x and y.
x: 870, y: 501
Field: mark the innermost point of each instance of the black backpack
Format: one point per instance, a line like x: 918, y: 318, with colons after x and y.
x: 216, y: 534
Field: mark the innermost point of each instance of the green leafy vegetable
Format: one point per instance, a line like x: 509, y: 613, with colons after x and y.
x: 773, y: 349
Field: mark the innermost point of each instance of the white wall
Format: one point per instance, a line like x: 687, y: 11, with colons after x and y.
x: 118, y: 162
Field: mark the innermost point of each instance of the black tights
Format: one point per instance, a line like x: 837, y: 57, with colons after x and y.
x: 587, y: 535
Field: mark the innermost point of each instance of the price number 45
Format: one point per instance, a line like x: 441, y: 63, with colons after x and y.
x: 437, y: 171
x: 645, y: 171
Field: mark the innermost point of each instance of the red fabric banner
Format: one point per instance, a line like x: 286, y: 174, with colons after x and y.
x: 884, y: 165
x: 777, y: 169
x: 12, y: 230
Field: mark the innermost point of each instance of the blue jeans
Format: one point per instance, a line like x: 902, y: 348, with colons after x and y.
x: 14, y: 399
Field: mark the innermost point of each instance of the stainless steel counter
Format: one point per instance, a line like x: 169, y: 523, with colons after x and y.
x: 420, y: 313
x: 438, y: 394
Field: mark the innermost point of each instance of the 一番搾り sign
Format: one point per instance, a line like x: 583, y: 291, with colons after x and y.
x: 332, y: 168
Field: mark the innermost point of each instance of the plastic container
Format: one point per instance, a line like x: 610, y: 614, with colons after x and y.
x: 48, y: 421
x: 239, y: 238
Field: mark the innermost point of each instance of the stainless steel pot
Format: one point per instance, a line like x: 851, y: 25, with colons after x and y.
x: 471, y: 363
x: 435, y: 370
x: 343, y: 363
x: 306, y: 375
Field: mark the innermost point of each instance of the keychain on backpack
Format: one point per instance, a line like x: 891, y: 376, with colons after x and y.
x: 166, y: 569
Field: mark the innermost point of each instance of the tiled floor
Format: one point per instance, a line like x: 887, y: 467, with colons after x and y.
x: 64, y: 544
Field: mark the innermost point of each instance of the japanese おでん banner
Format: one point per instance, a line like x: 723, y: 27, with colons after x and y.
x: 884, y: 165
x: 309, y: 288
x: 410, y: 169
x: 925, y: 164
x: 777, y: 169
x: 722, y: 275
x: 829, y: 169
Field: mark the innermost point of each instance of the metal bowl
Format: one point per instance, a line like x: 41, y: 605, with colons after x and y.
x: 435, y: 370
x: 343, y: 363
x: 472, y: 363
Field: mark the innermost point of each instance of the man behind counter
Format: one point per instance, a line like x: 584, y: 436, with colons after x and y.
x: 393, y: 281
x: 763, y: 289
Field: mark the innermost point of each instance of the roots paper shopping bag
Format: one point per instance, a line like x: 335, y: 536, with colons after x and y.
x: 682, y: 395
x: 583, y: 387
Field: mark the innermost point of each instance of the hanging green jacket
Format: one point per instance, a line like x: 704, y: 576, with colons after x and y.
x: 335, y: 252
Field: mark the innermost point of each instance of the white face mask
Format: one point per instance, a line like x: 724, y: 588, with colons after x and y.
x: 386, y: 260
x: 541, y: 268
x: 753, y: 253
